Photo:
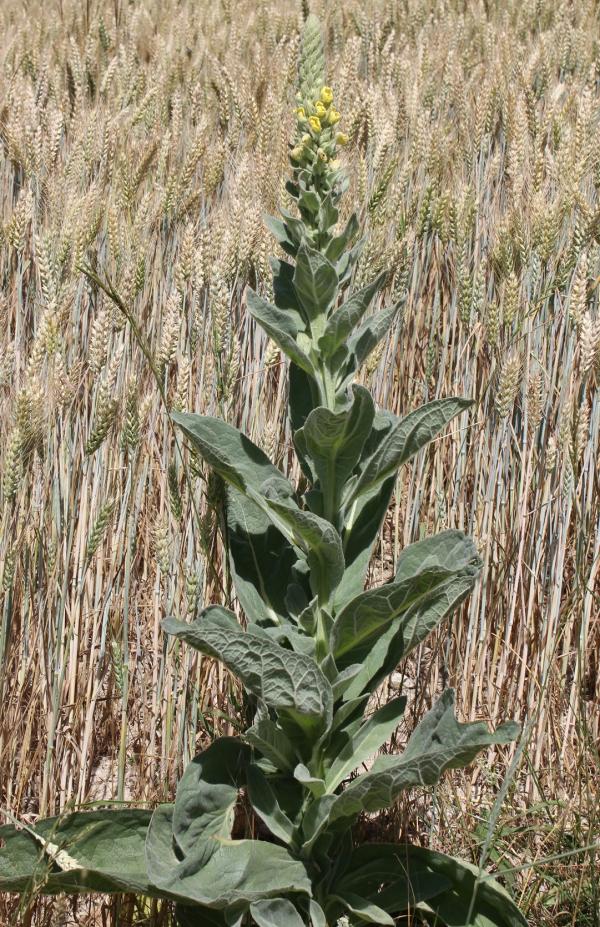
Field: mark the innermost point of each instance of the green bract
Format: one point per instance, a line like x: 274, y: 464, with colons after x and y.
x: 316, y: 644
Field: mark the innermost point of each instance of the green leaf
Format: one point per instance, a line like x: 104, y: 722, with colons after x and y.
x: 368, y: 336
x: 333, y: 442
x: 268, y: 738
x: 263, y: 800
x: 317, y: 538
x: 452, y: 550
x: 420, y: 602
x: 289, y: 682
x: 303, y: 397
x: 406, y: 438
x: 275, y: 912
x: 230, y: 453
x: 488, y: 903
x: 285, y: 235
x: 395, y: 876
x: 337, y: 245
x: 313, y: 783
x: 439, y: 742
x: 342, y: 322
x: 207, y: 795
x: 262, y: 560
x: 281, y: 327
x: 365, y: 910
x: 375, y: 732
x: 315, y: 282
x: 284, y: 294
x: 238, y: 871
x: 317, y: 915
x: 106, y: 846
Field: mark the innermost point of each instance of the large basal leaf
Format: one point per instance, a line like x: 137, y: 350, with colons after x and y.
x: 238, y: 871
x: 342, y: 322
x: 375, y: 732
x: 333, y: 443
x: 281, y: 326
x: 315, y: 281
x: 439, y: 742
x: 407, y: 438
x: 105, y: 849
x: 415, y: 604
x: 474, y: 898
x: 207, y: 794
x: 230, y: 453
x: 275, y: 912
x: 289, y: 682
x: 262, y: 560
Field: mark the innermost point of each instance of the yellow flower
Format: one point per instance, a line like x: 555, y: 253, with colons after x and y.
x: 334, y: 117
x: 320, y: 109
x: 301, y: 113
x: 342, y: 139
x: 326, y: 95
x: 315, y: 123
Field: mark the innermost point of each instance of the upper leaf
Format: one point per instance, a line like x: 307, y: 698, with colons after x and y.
x: 406, y: 438
x: 230, y: 453
x: 333, y: 442
x: 290, y: 682
x: 281, y: 327
x: 343, y: 320
x: 315, y: 282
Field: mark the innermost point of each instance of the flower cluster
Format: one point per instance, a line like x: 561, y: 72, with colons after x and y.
x: 319, y: 138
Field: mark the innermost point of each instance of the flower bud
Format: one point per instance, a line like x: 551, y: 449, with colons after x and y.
x: 315, y: 123
x: 342, y: 139
x: 326, y: 95
x: 321, y: 154
x: 334, y: 117
x: 320, y: 109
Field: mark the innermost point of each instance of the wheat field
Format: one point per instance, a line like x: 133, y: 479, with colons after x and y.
x: 146, y: 140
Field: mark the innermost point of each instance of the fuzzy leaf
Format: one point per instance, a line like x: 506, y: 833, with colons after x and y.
x: 334, y: 441
x: 375, y: 732
x: 315, y: 282
x: 230, y: 453
x: 368, y: 336
x: 439, y: 742
x: 420, y: 602
x: 264, y: 801
x: 207, y: 794
x: 275, y: 912
x: 317, y: 538
x: 274, y: 744
x: 262, y: 560
x: 281, y: 327
x: 406, y: 438
x: 238, y: 871
x: 107, y: 847
x: 365, y: 910
x: 288, y: 682
x: 342, y: 322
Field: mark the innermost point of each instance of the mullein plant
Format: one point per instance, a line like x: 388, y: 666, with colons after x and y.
x: 263, y: 829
